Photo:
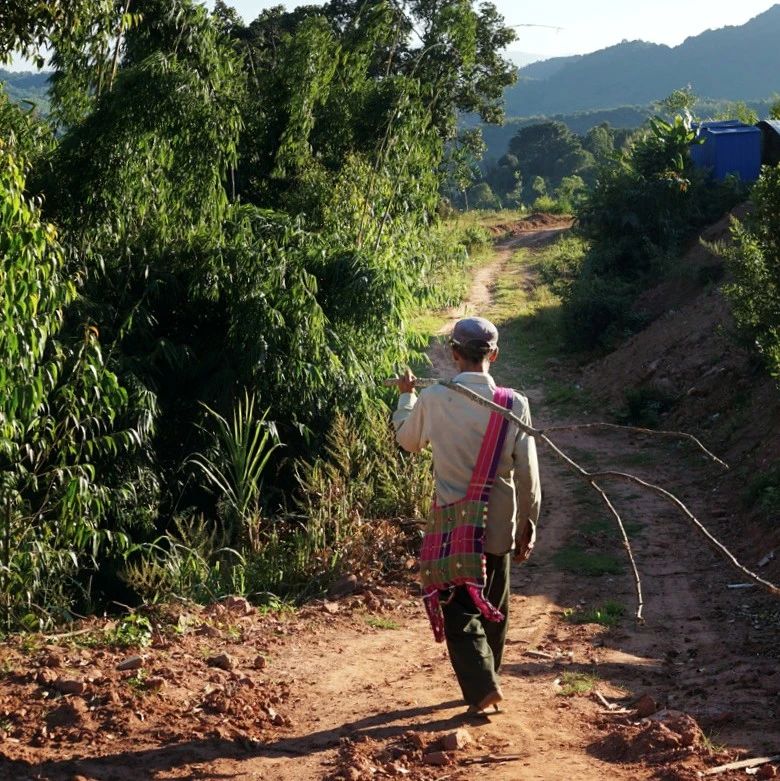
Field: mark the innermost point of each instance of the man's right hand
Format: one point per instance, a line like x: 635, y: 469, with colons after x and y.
x: 524, y: 544
x: 406, y: 382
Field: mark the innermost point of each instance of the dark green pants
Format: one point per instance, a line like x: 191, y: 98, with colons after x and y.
x: 475, y: 644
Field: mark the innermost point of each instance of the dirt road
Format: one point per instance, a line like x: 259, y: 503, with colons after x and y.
x: 365, y: 677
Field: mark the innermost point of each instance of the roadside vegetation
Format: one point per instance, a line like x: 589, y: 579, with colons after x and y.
x: 223, y: 237
x: 212, y: 249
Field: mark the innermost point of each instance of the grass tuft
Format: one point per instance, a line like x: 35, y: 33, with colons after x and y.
x: 573, y: 684
x: 608, y: 528
x: 579, y: 562
x: 376, y: 622
x: 607, y: 615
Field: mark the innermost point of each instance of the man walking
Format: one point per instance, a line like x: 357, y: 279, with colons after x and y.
x: 469, y: 461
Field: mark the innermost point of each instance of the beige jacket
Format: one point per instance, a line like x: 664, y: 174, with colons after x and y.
x: 454, y: 426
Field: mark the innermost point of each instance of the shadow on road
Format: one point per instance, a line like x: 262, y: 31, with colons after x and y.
x: 143, y: 763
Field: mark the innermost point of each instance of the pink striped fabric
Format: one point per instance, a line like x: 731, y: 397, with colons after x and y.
x: 452, y: 552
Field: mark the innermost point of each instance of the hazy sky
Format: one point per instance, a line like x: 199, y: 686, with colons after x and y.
x: 592, y: 25
x: 598, y: 23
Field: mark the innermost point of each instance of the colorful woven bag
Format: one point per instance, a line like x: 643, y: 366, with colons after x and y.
x: 453, y: 547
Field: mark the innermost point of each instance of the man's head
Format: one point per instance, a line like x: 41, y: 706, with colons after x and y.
x: 474, y: 343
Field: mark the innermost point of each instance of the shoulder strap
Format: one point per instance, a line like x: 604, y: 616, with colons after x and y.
x: 492, y: 444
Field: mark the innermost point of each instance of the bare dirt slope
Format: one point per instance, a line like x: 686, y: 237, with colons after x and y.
x: 356, y: 689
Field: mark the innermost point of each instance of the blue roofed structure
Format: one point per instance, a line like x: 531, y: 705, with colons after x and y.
x: 730, y: 148
x: 770, y: 147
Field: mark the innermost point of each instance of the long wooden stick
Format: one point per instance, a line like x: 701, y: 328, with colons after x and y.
x: 643, y: 432
x: 740, y: 765
x: 591, y: 477
x: 426, y: 382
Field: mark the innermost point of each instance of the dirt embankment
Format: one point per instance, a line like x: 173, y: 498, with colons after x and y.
x: 538, y: 221
x: 690, y: 362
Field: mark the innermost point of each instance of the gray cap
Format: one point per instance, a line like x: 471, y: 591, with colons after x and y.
x: 475, y: 331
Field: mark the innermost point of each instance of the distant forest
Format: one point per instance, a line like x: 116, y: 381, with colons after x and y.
x: 27, y: 87
x: 497, y: 137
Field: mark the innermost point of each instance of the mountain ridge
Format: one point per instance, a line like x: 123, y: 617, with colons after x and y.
x: 730, y: 63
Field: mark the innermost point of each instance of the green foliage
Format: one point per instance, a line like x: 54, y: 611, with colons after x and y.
x: 738, y: 110
x: 86, y: 56
x: 608, y: 615
x: 679, y: 101
x: 60, y: 414
x: 645, y: 406
x: 238, y: 206
x: 645, y: 204
x: 28, y: 27
x: 131, y: 631
x: 483, y: 198
x: 597, y: 309
x: 763, y: 493
x: 189, y: 561
x: 461, y: 164
x: 378, y: 622
x: 579, y: 562
x: 548, y: 151
x: 754, y: 261
x: 574, y: 683
x: 570, y: 193
x: 774, y: 109
x: 234, y: 469
x: 23, y: 133
x: 561, y: 262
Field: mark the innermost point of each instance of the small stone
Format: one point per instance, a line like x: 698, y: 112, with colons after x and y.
x: 207, y: 630
x: 45, y: 677
x: 330, y: 607
x: 259, y: 663
x: 52, y: 660
x: 456, y: 740
x: 155, y: 683
x: 239, y: 605
x: 646, y: 706
x: 223, y: 661
x: 416, y: 739
x: 342, y: 587
x: 686, y: 727
x: 436, y: 758
x: 131, y: 663
x: 71, y: 713
x: 70, y: 686
x: 767, y: 771
x: 352, y: 774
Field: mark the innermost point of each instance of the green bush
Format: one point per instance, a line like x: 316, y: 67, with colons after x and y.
x: 645, y: 204
x: 61, y: 412
x: 763, y: 493
x: 645, y: 406
x: 550, y: 205
x: 482, y: 197
x: 474, y: 237
x: 754, y: 261
x: 597, y: 311
x: 561, y: 263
